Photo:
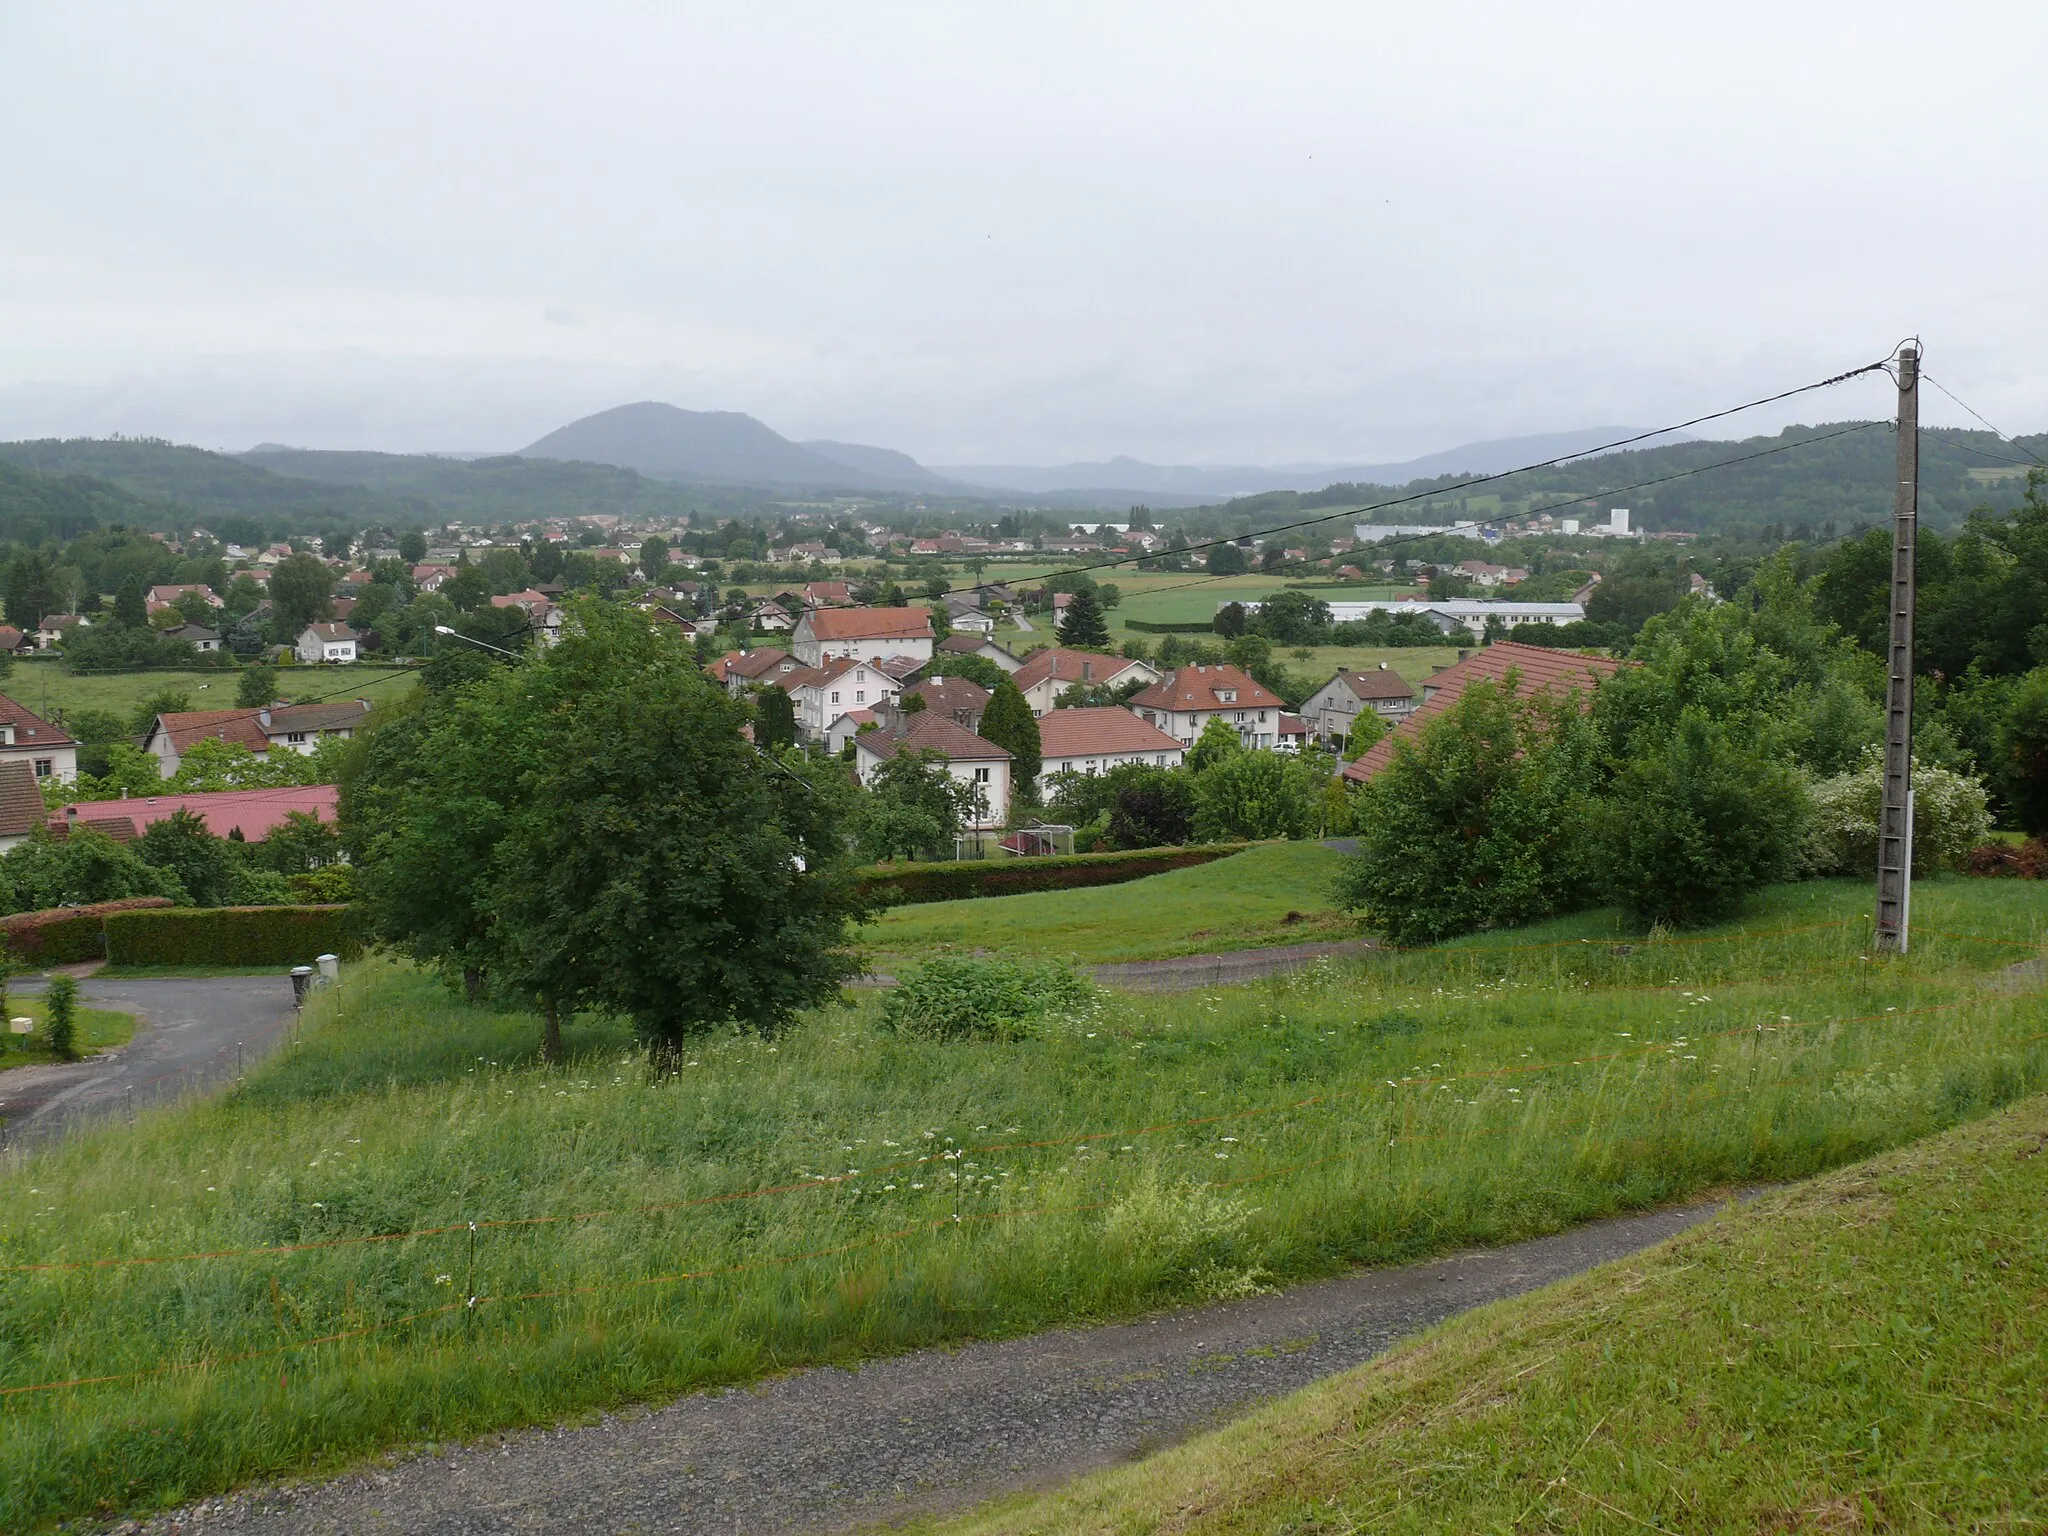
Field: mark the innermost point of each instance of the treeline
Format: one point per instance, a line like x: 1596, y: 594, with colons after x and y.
x: 177, y: 858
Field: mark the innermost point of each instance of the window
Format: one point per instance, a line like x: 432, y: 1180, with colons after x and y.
x: 981, y: 775
x: 1262, y: 717
x: 1227, y: 695
x: 860, y: 695
x: 44, y: 767
x: 1240, y: 717
x: 295, y: 737
x: 835, y: 696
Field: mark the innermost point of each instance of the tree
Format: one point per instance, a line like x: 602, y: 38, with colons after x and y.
x: 1253, y: 795
x: 60, y: 1017
x: 2023, y: 753
x: 1154, y: 807
x: 1227, y: 559
x: 85, y: 867
x: 1229, y: 621
x: 1084, y: 627
x: 1218, y: 743
x: 653, y: 556
x: 1478, y: 821
x: 468, y: 589
x: 774, y: 720
x: 203, y: 864
x: 914, y: 805
x: 30, y: 590
x: 131, y: 609
x: 412, y: 546
x: 301, y: 593
x: 1008, y: 723
x: 303, y: 844
x: 976, y: 669
x: 257, y: 688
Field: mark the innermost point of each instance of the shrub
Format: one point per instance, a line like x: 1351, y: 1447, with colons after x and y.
x: 1950, y: 818
x: 1011, y: 877
x: 60, y: 1017
x: 985, y: 999
x: 233, y: 936
x: 67, y: 935
x: 2022, y: 861
x: 1255, y: 795
x: 2023, y: 752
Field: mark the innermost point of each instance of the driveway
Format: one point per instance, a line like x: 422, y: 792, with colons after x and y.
x: 191, y: 1034
x: 830, y: 1449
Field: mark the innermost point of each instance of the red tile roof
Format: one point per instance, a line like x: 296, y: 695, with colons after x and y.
x: 1193, y: 688
x: 869, y: 623
x: 21, y: 800
x: 1376, y: 684
x: 1097, y: 732
x: 255, y: 812
x: 949, y: 695
x: 748, y: 664
x: 247, y: 726
x: 930, y: 731
x: 30, y: 729
x: 1537, y: 669
x: 1069, y: 666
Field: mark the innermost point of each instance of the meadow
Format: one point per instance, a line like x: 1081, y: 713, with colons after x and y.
x: 1880, y: 1330
x: 44, y: 686
x: 1242, y: 902
x: 407, y: 1228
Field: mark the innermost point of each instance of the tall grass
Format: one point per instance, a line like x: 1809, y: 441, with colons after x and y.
x: 843, y: 1191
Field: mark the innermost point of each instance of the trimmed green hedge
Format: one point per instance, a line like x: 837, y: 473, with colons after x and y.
x: 67, y: 935
x: 1009, y: 876
x: 231, y: 936
x: 1145, y: 628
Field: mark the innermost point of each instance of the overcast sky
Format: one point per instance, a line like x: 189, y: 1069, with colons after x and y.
x: 1020, y: 233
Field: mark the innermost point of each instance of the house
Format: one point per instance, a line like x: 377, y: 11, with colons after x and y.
x: 982, y: 646
x: 1294, y: 735
x: 197, y: 636
x: 1484, y: 573
x: 1333, y: 708
x: 1097, y: 739
x: 967, y: 619
x: 326, y: 642
x: 826, y: 594
x: 21, y: 805
x: 543, y: 613
x: 865, y: 634
x: 26, y: 737
x: 51, y: 630
x: 255, y: 813
x: 981, y: 765
x: 162, y: 597
x: 823, y: 696
x: 770, y: 618
x: 1537, y: 669
x: 1050, y: 671
x: 13, y: 642
x: 431, y: 578
x: 959, y: 699
x: 292, y: 727
x: 1182, y: 703
x: 741, y: 670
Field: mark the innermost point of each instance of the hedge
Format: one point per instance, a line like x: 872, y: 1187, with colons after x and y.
x: 67, y: 935
x: 1145, y: 628
x: 233, y: 936
x: 1010, y: 876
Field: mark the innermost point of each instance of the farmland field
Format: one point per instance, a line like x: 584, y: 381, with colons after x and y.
x: 280, y: 1280
x: 43, y: 686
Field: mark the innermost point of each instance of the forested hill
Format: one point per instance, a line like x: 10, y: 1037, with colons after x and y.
x: 1819, y: 487
x: 35, y: 507
x: 503, y: 487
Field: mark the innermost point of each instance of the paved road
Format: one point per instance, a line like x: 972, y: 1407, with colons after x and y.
x: 827, y: 1449
x: 185, y: 1040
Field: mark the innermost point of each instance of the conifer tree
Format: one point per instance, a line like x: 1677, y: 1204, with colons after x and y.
x: 1084, y: 627
x: 1009, y: 724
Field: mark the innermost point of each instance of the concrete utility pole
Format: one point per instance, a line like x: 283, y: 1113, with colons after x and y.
x: 1895, y: 827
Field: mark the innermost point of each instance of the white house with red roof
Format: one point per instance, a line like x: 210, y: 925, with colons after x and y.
x: 1183, y: 702
x: 291, y: 727
x: 1333, y: 709
x: 167, y: 595
x: 1097, y: 739
x: 864, y: 634
x: 981, y: 765
x: 824, y: 696
x: 255, y: 813
x: 326, y: 642
x: 1051, y: 671
x: 26, y: 737
x: 741, y: 670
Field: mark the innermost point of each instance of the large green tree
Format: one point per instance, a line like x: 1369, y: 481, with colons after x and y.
x: 1083, y: 625
x: 1008, y: 722
x: 301, y: 593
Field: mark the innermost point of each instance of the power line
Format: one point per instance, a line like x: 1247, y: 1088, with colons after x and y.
x: 1490, y: 479
x: 1929, y: 378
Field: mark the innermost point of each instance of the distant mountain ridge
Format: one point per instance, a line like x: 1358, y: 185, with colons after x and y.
x: 727, y: 447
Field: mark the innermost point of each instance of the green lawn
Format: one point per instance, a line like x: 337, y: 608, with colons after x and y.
x: 98, y: 1030
x: 1241, y: 902
x: 842, y: 1191
x: 44, y: 686
x: 1859, y: 1353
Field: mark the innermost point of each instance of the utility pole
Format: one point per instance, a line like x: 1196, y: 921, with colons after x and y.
x: 1895, y: 828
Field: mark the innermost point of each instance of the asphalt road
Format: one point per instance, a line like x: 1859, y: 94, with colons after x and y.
x: 828, y: 1449
x: 191, y: 1034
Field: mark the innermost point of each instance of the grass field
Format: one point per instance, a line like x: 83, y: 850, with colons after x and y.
x: 98, y: 1029
x: 842, y: 1191
x: 1861, y: 1353
x: 44, y: 686
x: 1241, y: 902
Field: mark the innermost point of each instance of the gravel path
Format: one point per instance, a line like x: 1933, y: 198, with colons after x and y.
x: 191, y: 1033
x: 827, y: 1449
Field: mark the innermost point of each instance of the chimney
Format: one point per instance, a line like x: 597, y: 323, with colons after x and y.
x: 263, y: 714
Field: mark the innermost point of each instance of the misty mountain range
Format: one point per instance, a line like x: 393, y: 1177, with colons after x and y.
x: 729, y: 447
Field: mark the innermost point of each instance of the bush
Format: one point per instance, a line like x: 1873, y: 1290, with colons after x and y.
x: 1256, y: 795
x: 2023, y: 752
x: 67, y: 935
x: 233, y: 936
x: 1694, y: 825
x: 2021, y: 861
x: 60, y: 1017
x: 985, y: 999
x: 1011, y: 877
x: 1950, y: 818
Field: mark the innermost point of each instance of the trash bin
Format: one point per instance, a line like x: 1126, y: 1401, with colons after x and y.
x: 330, y: 966
x: 302, y: 983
